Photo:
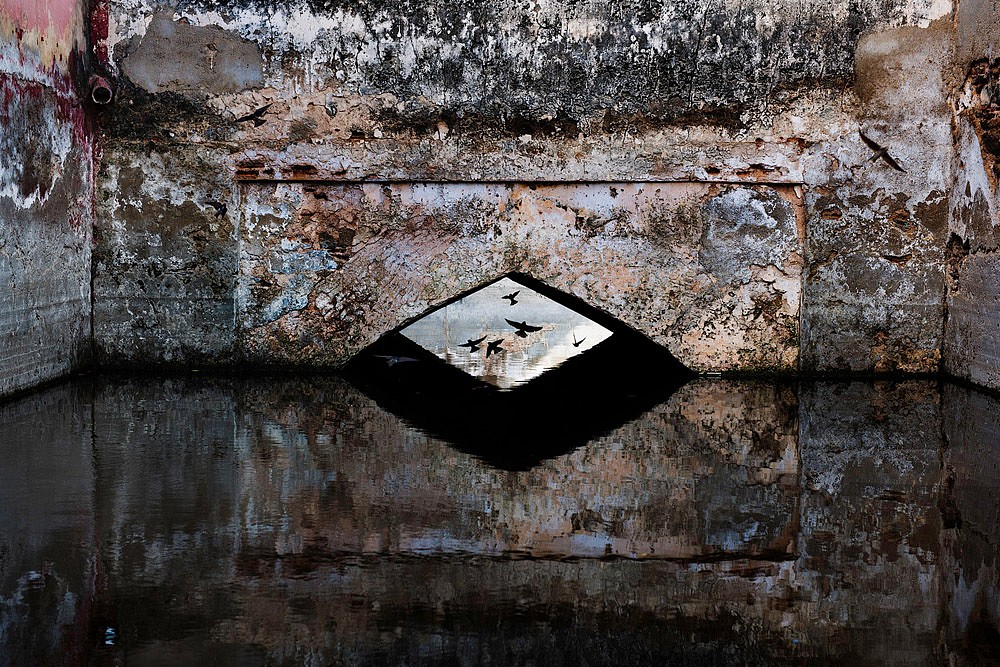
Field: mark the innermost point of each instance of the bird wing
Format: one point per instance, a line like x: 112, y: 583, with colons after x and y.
x: 516, y: 325
x: 477, y: 341
x: 254, y: 115
x: 871, y: 143
x: 892, y: 163
x: 528, y: 327
x: 513, y: 294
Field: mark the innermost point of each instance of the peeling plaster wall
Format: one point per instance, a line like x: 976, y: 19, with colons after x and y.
x: 249, y: 104
x: 45, y: 195
x: 972, y: 333
x: 164, y: 262
x: 874, y: 286
x: 712, y: 272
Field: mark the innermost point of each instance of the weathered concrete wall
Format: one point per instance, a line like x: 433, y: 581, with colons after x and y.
x: 45, y: 194
x: 972, y: 334
x: 164, y: 260
x: 874, y: 285
x: 710, y: 271
x: 259, y: 107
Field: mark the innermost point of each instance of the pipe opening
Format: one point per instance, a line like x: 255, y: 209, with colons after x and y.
x: 100, y: 91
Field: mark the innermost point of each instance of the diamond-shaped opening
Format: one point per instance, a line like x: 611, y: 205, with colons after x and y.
x: 505, y: 333
x: 574, y: 374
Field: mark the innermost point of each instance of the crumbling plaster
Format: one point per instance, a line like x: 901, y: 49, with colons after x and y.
x: 46, y: 194
x: 972, y: 331
x: 591, y: 94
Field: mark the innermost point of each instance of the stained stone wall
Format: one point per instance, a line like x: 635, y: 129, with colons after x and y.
x: 972, y: 332
x: 45, y: 194
x: 267, y: 175
x: 713, y: 272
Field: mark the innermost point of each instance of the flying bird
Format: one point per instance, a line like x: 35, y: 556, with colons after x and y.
x: 523, y: 328
x: 392, y: 359
x: 880, y: 151
x: 577, y: 343
x: 220, y: 208
x: 473, y: 345
x: 256, y: 116
x: 511, y: 297
x: 493, y: 347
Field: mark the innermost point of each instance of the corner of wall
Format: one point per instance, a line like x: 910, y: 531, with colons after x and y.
x: 46, y: 193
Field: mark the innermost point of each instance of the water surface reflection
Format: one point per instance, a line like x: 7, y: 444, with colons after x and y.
x: 286, y: 521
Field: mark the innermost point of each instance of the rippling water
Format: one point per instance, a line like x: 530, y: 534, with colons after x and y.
x: 200, y: 520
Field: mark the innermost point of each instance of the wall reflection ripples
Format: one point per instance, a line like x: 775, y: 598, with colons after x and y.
x: 294, y: 521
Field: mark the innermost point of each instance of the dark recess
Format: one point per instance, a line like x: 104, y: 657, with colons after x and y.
x: 516, y: 429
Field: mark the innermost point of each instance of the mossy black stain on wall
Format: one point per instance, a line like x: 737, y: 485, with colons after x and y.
x: 648, y: 62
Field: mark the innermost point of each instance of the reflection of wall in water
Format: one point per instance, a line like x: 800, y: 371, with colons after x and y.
x: 870, y: 553
x: 970, y: 508
x: 47, y: 528
x: 223, y: 512
x: 652, y: 487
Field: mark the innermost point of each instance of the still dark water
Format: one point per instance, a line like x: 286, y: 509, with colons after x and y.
x: 295, y: 522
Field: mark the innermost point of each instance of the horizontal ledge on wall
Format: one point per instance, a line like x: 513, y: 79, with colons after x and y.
x: 519, y: 181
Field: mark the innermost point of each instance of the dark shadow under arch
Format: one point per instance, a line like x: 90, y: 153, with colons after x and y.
x: 562, y: 409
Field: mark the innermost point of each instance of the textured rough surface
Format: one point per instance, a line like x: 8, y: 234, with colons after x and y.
x: 712, y: 272
x: 498, y: 97
x: 165, y: 259
x: 873, y: 296
x: 972, y: 333
x: 648, y: 62
x: 45, y: 197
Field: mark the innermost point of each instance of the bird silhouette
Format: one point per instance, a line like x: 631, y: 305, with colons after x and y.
x: 473, y: 345
x: 577, y: 343
x: 523, y: 328
x: 392, y: 359
x: 220, y: 208
x: 256, y: 116
x: 880, y: 151
x: 511, y: 297
x: 493, y: 347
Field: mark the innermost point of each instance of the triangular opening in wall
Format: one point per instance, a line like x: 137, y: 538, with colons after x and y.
x: 516, y: 372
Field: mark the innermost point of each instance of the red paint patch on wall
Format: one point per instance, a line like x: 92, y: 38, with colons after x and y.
x: 32, y: 116
x: 41, y: 15
x: 99, y: 13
